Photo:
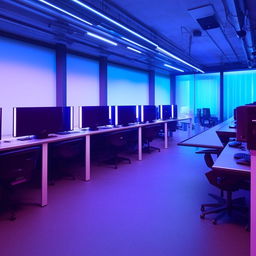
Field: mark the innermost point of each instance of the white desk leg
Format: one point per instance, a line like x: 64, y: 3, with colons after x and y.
x: 87, y: 158
x: 140, y: 143
x: 190, y: 127
x: 44, y: 189
x: 253, y: 203
x: 165, y: 135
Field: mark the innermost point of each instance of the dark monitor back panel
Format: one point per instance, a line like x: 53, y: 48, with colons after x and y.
x: 166, y: 112
x: 94, y: 116
x: 174, y: 111
x: 245, y: 115
x: 126, y: 115
x: 149, y: 113
x: 41, y: 120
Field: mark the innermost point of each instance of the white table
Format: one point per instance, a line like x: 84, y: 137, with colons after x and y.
x: 13, y: 143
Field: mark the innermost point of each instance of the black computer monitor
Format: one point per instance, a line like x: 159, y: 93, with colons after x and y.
x: 41, y: 121
x: 94, y: 116
x: 148, y: 113
x: 0, y: 123
x: 126, y: 115
x: 174, y: 111
x: 165, y: 112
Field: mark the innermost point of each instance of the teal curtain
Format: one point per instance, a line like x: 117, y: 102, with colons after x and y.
x: 185, y: 94
x: 239, y: 89
x: 207, y: 92
x: 198, y: 91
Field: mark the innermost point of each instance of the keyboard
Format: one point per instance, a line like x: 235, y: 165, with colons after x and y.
x: 235, y: 144
x: 241, y: 155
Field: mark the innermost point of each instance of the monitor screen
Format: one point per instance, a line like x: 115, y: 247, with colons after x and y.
x: 40, y: 121
x: 94, y: 116
x: 166, y: 112
x: 149, y: 113
x: 0, y: 123
x: 126, y: 115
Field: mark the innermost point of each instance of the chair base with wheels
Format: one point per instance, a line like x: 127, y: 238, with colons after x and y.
x: 224, y: 207
x: 116, y: 160
x: 229, y: 183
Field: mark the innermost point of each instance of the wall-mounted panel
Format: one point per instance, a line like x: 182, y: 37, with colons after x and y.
x: 27, y: 78
x: 127, y: 86
x: 162, y: 90
x: 82, y: 83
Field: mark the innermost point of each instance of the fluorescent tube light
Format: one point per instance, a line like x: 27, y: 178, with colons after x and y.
x: 130, y: 41
x: 113, y: 21
x: 68, y: 13
x: 177, y: 58
x: 132, y: 49
x: 101, y: 38
x: 172, y: 67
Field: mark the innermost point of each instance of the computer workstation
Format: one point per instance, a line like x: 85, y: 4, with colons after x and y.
x: 43, y: 140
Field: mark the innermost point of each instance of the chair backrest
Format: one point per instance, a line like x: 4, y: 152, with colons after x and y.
x: 67, y: 149
x: 224, y: 180
x: 206, y: 113
x: 17, y: 166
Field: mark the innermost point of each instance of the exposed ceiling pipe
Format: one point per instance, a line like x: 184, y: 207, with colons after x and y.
x: 236, y: 16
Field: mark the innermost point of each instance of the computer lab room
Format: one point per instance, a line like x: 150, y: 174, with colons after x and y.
x: 127, y: 128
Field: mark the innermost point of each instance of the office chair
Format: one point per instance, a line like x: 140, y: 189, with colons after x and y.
x: 117, y: 142
x: 226, y: 182
x: 149, y: 133
x: 229, y: 183
x: 17, y: 168
x: 204, y: 118
x: 63, y: 156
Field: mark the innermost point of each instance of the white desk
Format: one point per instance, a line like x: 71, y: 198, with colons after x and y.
x: 206, y: 139
x: 226, y: 161
x: 11, y: 144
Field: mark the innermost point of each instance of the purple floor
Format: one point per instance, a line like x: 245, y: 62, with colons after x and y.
x: 148, y: 208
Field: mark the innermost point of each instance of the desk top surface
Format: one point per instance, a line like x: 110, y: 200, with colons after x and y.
x: 227, y: 162
x: 206, y: 139
x: 14, y: 143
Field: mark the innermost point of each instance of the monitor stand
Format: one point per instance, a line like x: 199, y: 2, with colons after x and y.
x: 93, y: 128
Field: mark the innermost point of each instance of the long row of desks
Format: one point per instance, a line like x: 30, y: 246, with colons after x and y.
x: 12, y: 144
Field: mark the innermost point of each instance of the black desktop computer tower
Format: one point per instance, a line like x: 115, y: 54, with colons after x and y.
x: 245, y: 115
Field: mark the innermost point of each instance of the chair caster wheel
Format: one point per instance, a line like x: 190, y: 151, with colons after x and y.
x: 202, y: 216
x: 202, y: 208
x: 214, y: 222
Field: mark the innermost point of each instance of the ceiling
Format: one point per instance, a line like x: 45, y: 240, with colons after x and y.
x: 172, y: 26
x: 173, y: 19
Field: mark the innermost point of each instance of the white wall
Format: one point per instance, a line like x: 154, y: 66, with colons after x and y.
x: 82, y: 83
x: 162, y: 90
x: 27, y: 78
x: 127, y: 86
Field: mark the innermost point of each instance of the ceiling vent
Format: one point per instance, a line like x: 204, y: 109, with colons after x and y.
x: 209, y: 22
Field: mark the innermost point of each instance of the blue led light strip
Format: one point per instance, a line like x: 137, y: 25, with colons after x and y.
x: 68, y: 13
x: 113, y: 21
x: 172, y: 67
x: 101, y: 38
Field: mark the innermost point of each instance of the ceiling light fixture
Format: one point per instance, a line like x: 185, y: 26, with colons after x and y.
x: 177, y: 58
x: 172, y: 67
x: 113, y: 21
x: 130, y: 41
x: 101, y: 38
x: 68, y: 13
x: 134, y: 50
